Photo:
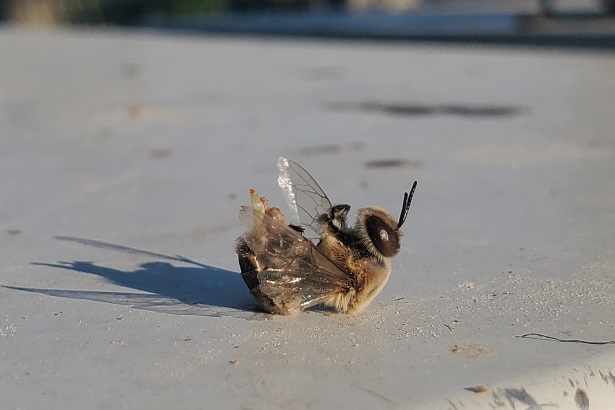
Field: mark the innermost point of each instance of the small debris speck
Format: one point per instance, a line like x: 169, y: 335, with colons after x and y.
x: 477, y: 389
x: 159, y: 153
x: 134, y: 111
x: 472, y: 351
x: 466, y: 285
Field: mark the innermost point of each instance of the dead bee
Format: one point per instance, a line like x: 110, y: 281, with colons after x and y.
x: 286, y: 272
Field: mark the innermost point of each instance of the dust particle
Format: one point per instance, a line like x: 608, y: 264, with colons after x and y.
x: 393, y: 163
x: 330, y: 149
x: 472, y: 351
x: 134, y: 111
x: 159, y: 153
x: 581, y: 399
x: 477, y: 389
x: 130, y: 70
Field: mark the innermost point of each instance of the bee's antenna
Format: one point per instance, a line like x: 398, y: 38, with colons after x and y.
x: 405, y: 206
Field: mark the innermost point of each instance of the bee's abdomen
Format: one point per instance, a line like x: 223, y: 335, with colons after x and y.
x: 250, y: 268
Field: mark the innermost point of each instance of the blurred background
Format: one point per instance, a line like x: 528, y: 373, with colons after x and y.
x: 567, y: 22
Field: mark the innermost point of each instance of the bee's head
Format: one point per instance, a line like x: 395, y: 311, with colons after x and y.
x: 379, y: 232
x: 336, y: 218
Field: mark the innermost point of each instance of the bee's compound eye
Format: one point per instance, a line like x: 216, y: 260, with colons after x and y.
x: 384, y: 238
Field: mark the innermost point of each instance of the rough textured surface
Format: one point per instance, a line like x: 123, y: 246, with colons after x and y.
x: 121, y: 151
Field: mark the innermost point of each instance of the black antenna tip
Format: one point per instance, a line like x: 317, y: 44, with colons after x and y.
x: 405, y: 207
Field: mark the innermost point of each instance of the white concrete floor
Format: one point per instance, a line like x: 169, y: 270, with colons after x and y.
x: 121, y: 151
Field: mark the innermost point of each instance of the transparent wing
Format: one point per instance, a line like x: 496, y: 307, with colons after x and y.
x: 304, y: 196
x: 291, y: 268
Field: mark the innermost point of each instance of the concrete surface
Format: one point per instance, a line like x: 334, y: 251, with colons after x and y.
x: 122, y: 151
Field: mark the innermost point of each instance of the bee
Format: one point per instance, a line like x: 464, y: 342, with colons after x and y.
x: 342, y: 266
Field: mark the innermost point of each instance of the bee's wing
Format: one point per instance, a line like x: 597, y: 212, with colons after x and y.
x: 290, y: 266
x: 304, y: 196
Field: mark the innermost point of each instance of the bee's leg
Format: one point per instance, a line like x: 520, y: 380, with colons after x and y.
x: 247, y: 263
